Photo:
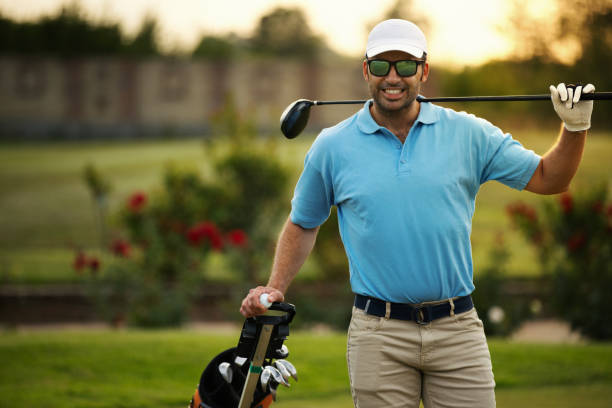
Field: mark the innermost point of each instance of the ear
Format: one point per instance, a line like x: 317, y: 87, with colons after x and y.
x: 366, y: 72
x: 425, y: 73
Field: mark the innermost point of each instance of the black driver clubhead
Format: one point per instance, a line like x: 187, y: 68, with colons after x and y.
x: 295, y: 118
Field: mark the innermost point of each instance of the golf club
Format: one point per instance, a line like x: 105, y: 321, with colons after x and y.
x: 264, y: 378
x: 283, y: 352
x: 289, y: 367
x: 278, y: 377
x: 226, y: 371
x: 283, y: 370
x: 273, y: 388
x: 295, y: 117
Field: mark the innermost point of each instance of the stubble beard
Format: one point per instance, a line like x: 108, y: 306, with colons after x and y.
x: 382, y: 106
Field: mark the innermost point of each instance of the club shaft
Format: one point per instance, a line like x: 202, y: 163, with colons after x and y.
x: 500, y: 98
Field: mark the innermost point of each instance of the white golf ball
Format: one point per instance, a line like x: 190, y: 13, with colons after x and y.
x: 263, y: 299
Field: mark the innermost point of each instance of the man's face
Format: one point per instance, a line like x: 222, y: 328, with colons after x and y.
x: 392, y: 92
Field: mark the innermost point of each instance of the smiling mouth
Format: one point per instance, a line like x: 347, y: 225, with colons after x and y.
x: 393, y: 92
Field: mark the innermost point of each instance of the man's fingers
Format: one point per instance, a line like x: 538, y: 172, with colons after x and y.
x: 276, y: 296
x: 570, y: 98
x: 554, y: 94
x: 577, y: 93
x: 562, y: 90
x: 588, y: 89
x: 251, y: 305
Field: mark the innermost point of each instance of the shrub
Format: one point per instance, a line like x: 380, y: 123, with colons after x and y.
x: 150, y: 276
x: 499, y: 312
x: 572, y: 239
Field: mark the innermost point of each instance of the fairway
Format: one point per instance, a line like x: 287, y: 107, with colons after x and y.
x: 46, y: 211
x: 108, y: 369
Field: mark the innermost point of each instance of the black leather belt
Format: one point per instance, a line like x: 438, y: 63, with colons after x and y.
x: 420, y: 314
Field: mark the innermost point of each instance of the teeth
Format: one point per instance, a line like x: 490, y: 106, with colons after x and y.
x: 393, y: 91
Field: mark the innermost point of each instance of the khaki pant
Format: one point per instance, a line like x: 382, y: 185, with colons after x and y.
x: 396, y: 363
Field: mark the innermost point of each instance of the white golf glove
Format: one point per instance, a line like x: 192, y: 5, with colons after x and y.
x: 575, y: 114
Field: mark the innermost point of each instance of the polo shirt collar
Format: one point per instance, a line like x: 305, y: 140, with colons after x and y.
x: 367, y: 124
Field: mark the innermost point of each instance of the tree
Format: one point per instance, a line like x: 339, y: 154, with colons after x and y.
x: 574, y: 38
x: 145, y: 43
x: 216, y: 47
x: 285, y: 32
x: 66, y: 34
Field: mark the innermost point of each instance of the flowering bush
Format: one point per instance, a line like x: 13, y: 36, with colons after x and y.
x: 573, y: 241
x: 151, y: 275
x: 149, y: 280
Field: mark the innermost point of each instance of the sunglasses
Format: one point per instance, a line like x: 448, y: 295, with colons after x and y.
x: 404, y: 68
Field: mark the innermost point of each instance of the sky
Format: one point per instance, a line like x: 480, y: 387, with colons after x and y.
x: 462, y: 33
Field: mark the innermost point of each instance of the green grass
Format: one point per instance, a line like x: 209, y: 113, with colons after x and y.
x: 46, y: 211
x: 102, y: 368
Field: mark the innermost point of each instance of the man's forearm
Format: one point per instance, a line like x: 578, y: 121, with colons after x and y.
x: 294, y: 245
x: 559, y: 164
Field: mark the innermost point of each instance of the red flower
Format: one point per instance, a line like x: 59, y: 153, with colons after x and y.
x: 216, y: 242
x: 566, y: 201
x: 205, y: 230
x: 576, y: 241
x: 94, y: 264
x: 597, y: 207
x: 137, y: 201
x: 238, y: 238
x: 521, y: 209
x: 80, y: 261
x: 121, y: 248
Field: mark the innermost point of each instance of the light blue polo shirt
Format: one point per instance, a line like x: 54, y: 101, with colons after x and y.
x: 405, y: 210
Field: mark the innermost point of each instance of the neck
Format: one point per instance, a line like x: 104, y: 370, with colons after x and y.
x: 398, y: 122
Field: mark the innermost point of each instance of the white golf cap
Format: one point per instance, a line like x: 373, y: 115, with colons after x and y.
x: 396, y: 35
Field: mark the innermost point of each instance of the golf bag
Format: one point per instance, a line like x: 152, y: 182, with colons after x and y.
x: 261, y: 341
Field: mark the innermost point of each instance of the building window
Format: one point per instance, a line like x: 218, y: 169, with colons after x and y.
x: 30, y: 81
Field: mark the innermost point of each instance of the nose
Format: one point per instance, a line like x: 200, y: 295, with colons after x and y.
x: 392, y: 76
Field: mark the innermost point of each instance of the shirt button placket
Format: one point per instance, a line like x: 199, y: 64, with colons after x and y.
x: 403, y: 160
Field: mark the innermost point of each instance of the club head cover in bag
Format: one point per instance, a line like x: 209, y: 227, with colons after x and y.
x: 215, y: 392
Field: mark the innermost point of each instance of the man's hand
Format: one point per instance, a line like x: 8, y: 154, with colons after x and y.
x: 575, y: 114
x: 251, y: 306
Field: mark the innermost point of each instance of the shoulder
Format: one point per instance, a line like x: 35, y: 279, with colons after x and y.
x: 335, y: 136
x: 473, y: 128
x: 462, y: 118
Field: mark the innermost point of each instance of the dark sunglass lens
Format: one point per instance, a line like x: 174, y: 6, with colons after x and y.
x: 379, y: 68
x: 406, y: 68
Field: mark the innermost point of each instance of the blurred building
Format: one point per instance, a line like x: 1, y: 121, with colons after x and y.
x: 47, y: 98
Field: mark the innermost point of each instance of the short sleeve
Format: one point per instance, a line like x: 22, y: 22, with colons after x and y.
x: 506, y: 160
x: 313, y: 195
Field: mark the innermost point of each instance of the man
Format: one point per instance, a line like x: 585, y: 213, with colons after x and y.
x: 404, y: 177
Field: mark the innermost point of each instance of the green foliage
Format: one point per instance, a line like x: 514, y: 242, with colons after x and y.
x: 216, y: 47
x: 66, y: 34
x: 285, y: 32
x: 145, y: 43
x: 236, y: 210
x: 70, y: 33
x: 574, y: 243
x: 500, y: 313
x: 98, y: 187
x: 583, y: 25
x: 329, y: 250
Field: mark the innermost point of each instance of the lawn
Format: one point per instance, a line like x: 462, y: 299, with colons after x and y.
x: 46, y: 211
x: 130, y: 368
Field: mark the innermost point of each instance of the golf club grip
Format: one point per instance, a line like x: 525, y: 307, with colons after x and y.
x: 597, y: 96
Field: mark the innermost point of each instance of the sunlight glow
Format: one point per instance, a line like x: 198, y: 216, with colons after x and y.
x: 466, y: 32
